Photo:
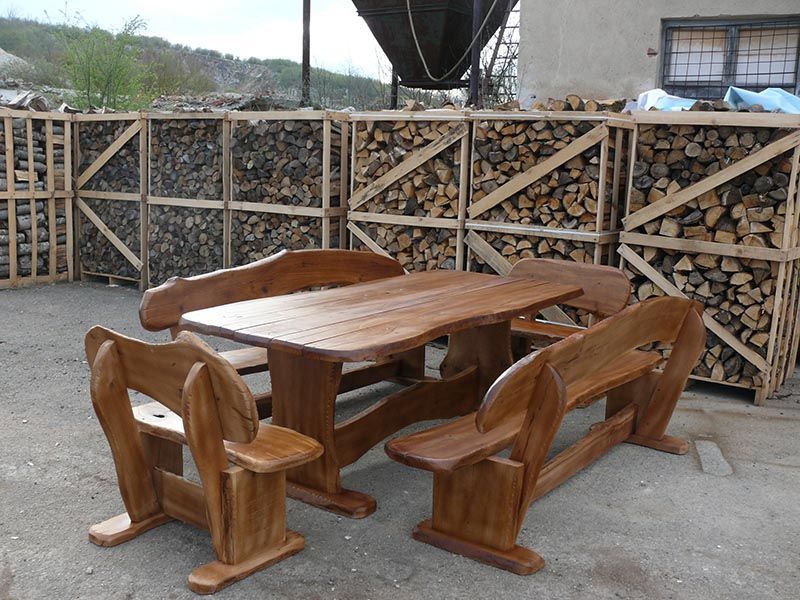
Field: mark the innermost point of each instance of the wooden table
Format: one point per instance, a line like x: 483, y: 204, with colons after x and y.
x: 311, y: 334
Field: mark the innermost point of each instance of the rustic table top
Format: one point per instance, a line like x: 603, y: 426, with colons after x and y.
x: 375, y: 319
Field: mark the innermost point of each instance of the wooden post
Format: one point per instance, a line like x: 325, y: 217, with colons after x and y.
x: 305, y: 84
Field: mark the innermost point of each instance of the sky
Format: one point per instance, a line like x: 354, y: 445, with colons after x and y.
x: 340, y: 40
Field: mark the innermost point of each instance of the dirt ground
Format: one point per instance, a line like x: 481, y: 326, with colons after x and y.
x: 720, y: 522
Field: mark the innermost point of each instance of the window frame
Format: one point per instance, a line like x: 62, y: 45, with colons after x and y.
x: 711, y: 89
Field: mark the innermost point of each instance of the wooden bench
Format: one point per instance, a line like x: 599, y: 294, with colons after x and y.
x: 202, y: 402
x: 287, y: 272
x: 479, y: 498
x: 606, y: 291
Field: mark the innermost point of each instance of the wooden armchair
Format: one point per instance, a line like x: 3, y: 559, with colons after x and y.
x: 287, y: 272
x: 200, y: 401
x: 480, y: 499
x: 606, y: 291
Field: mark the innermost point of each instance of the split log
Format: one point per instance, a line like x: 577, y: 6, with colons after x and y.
x: 98, y: 254
x: 257, y: 235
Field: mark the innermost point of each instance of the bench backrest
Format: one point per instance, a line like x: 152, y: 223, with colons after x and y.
x: 283, y: 273
x: 538, y: 383
x: 606, y: 290
x: 159, y: 371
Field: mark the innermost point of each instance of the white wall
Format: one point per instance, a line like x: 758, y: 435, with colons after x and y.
x: 599, y: 48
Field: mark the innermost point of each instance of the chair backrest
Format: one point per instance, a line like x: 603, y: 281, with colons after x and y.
x: 606, y: 290
x: 160, y: 371
x: 538, y: 383
x: 283, y: 273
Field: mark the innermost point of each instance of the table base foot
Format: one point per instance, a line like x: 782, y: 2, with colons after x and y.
x: 348, y: 503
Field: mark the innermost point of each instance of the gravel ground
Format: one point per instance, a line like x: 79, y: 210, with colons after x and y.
x: 637, y: 524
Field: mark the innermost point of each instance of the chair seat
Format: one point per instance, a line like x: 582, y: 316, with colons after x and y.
x: 529, y: 328
x: 247, y: 360
x: 458, y: 443
x: 274, y: 449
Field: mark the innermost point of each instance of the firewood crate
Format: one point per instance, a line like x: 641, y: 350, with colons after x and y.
x: 36, y: 220
x: 288, y: 181
x: 549, y: 170
x: 110, y: 149
x: 409, y: 186
x: 712, y: 214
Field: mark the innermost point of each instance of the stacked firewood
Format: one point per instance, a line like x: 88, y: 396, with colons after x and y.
x: 186, y: 158
x: 24, y: 239
x: 748, y: 210
x: 98, y: 254
x: 258, y: 235
x: 416, y: 248
x: 565, y: 198
x: 431, y: 190
x: 280, y: 162
x: 738, y: 293
x: 183, y: 242
x: 21, y: 158
x: 121, y: 172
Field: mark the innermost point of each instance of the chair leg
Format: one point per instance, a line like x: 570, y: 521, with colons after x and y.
x: 476, y: 514
x: 254, y: 534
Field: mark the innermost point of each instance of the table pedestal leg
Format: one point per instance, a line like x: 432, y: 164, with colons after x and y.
x: 303, y: 398
x: 487, y: 347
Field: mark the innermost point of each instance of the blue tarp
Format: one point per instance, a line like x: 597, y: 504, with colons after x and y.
x: 772, y: 99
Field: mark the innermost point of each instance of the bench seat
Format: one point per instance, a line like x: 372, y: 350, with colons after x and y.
x: 274, y: 449
x: 458, y: 443
x: 247, y: 360
x: 532, y: 329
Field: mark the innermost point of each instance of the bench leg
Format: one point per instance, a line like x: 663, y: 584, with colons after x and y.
x: 476, y: 514
x: 253, y: 535
x: 638, y: 392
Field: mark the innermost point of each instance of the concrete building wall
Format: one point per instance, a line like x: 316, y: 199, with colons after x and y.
x: 599, y: 48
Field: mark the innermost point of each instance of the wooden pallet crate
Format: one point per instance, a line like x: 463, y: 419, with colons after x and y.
x: 287, y: 167
x: 409, y: 186
x: 716, y: 193
x: 35, y: 198
x: 111, y: 167
x: 558, y: 170
x: 495, y: 248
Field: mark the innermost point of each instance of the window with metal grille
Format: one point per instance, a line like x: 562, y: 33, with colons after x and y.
x: 701, y: 58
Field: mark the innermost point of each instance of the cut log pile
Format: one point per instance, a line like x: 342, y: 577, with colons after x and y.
x: 738, y: 293
x: 24, y: 238
x: 98, y: 254
x: 749, y: 210
x: 257, y: 235
x: 429, y: 190
x: 183, y: 242
x: 281, y: 162
x: 186, y: 158
x: 416, y: 248
x: 566, y: 197
x: 22, y: 158
x: 121, y: 172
